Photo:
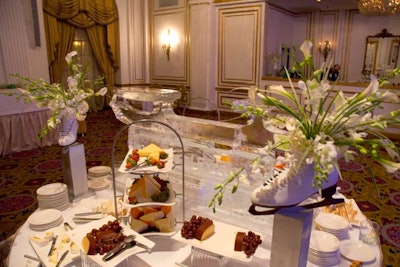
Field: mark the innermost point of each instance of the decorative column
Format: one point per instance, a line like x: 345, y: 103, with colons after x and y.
x: 202, y: 55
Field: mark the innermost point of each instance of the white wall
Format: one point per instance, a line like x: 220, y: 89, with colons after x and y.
x: 17, y: 51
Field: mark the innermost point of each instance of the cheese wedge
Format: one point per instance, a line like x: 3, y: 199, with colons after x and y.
x: 151, y: 187
x: 155, y: 155
x: 138, y: 225
x: 144, y: 188
x: 147, y: 150
x: 165, y: 225
x: 150, y: 218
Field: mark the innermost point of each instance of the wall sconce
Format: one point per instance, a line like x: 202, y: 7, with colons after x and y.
x: 325, y: 48
x: 166, y: 41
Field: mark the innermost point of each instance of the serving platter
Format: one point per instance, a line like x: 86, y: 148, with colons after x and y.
x: 79, y: 233
x: 147, y: 202
x: 43, y: 250
x: 221, y: 242
x: 148, y: 169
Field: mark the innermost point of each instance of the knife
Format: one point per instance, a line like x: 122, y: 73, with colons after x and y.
x: 62, y: 258
x: 53, y: 242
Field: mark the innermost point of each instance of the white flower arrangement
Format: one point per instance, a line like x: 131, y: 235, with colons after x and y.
x: 60, y: 100
x: 327, y: 125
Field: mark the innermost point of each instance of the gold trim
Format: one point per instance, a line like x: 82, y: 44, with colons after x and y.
x: 165, y: 79
x: 223, y: 12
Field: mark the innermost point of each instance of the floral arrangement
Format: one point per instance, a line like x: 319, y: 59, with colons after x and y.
x: 60, y: 100
x: 320, y: 127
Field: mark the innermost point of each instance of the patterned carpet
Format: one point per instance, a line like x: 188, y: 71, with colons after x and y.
x: 21, y: 174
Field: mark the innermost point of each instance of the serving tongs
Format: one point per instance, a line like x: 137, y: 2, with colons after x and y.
x: 129, y: 242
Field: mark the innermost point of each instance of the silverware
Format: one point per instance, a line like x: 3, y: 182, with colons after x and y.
x: 34, y: 259
x: 62, y: 258
x: 138, y: 166
x: 88, y: 213
x: 53, y: 242
x: 129, y: 242
x: 68, y: 226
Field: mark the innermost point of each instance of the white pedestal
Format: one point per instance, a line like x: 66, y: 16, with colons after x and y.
x: 74, y: 170
x: 291, y: 237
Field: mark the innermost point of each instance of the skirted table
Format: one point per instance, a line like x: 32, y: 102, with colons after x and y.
x: 21, y: 123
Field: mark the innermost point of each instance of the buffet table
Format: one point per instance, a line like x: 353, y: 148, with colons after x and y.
x: 200, y: 161
x: 168, y: 251
x: 20, y: 124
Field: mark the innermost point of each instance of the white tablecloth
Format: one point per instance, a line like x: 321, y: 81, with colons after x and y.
x: 167, y: 252
x: 20, y: 124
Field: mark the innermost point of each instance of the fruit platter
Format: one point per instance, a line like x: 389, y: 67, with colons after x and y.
x: 149, y: 159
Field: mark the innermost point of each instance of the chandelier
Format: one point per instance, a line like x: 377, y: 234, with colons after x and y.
x: 379, y: 7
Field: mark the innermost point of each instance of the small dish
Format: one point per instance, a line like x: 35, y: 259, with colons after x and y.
x: 357, y: 251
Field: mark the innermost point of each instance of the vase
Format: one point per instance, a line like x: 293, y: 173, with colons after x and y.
x: 289, y: 187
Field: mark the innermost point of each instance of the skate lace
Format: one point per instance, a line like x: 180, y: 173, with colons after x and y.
x: 66, y: 127
x: 277, y: 172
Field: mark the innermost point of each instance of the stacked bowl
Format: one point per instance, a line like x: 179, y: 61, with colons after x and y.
x: 53, y: 196
x: 324, y: 249
x: 99, y: 177
x: 333, y: 224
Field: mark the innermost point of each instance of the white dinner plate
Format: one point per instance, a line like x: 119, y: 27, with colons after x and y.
x: 49, y: 190
x: 99, y: 171
x: 332, y: 222
x: 324, y: 242
x: 98, y: 184
x: 80, y: 232
x: 44, y: 217
x: 357, y: 251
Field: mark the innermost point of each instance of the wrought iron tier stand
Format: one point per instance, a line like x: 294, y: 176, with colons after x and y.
x: 118, y: 134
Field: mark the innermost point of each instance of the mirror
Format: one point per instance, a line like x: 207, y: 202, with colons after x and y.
x: 381, y: 53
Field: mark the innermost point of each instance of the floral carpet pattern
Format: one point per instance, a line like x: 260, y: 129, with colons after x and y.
x: 376, y: 192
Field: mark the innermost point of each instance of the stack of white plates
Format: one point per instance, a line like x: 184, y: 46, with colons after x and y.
x: 99, y: 177
x: 45, y: 219
x: 333, y: 224
x: 99, y: 172
x: 53, y: 196
x: 324, y: 249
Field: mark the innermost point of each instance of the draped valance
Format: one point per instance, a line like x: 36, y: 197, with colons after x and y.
x: 82, y: 13
x: 99, y: 18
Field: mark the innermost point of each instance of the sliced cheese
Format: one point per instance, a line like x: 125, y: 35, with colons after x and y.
x: 150, y: 218
x: 147, y: 150
x: 138, y: 225
x: 151, y: 186
x: 165, y: 225
x: 155, y: 155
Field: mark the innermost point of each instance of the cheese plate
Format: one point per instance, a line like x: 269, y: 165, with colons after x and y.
x: 143, y: 168
x: 143, y: 200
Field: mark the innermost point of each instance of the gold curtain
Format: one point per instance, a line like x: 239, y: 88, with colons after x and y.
x: 98, y: 17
